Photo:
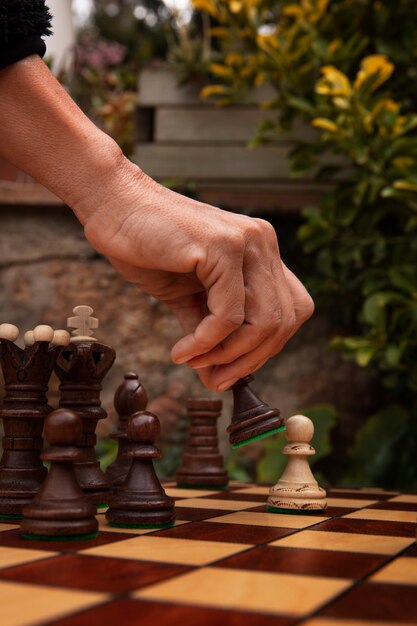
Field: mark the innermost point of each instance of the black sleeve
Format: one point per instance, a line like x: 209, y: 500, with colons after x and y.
x: 22, y: 24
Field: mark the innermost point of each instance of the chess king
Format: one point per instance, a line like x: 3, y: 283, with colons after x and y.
x: 81, y: 367
x: 26, y: 374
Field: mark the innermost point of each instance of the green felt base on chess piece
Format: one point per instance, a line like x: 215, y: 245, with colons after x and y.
x: 50, y: 538
x: 273, y: 509
x: 258, y: 437
x: 204, y: 487
x: 103, y: 505
x: 11, y: 517
x: 142, y: 526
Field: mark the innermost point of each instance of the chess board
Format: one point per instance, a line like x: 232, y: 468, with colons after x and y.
x: 226, y: 562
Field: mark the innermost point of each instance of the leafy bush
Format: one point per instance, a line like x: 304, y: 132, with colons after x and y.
x: 348, y: 68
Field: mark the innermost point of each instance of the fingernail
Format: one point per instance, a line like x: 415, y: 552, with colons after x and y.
x: 226, y: 385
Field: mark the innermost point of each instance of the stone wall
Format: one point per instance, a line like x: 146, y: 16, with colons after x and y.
x: 47, y: 267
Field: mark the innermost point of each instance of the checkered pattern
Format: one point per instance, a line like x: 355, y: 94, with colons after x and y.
x: 226, y: 561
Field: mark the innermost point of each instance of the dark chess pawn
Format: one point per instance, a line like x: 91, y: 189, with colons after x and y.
x: 129, y: 398
x: 252, y: 419
x: 141, y: 502
x: 202, y: 464
x: 60, y: 510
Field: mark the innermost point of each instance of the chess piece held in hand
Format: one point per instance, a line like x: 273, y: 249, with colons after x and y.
x: 141, y: 501
x: 252, y: 419
x: 297, y: 488
x: 60, y: 510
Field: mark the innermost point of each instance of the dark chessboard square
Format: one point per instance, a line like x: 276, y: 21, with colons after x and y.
x: 234, y: 533
x: 360, y: 495
x: 134, y: 612
x: 368, y: 527
x: 395, y: 506
x: 411, y: 551
x: 12, y: 539
x: 376, y: 602
x: 231, y: 495
x: 92, y: 573
x: 194, y: 515
x: 305, y: 562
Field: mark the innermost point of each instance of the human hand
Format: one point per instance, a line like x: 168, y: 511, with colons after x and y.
x: 219, y: 273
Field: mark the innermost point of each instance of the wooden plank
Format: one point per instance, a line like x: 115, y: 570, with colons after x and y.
x: 236, y: 123
x: 206, y: 162
x: 159, y: 86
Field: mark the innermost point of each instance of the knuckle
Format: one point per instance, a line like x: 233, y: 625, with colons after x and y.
x: 307, y: 308
x: 234, y: 319
x: 265, y: 228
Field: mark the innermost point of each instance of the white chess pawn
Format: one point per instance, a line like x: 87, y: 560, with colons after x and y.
x: 297, y: 487
x: 29, y: 338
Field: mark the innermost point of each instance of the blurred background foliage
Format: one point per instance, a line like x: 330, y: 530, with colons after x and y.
x: 347, y: 68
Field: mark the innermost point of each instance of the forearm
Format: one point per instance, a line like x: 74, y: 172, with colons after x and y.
x: 44, y: 133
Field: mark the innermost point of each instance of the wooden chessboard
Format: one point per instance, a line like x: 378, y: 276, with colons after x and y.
x: 227, y: 562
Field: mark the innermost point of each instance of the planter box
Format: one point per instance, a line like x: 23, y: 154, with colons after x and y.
x: 181, y: 136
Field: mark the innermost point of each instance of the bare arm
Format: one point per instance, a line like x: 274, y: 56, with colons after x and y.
x: 221, y: 274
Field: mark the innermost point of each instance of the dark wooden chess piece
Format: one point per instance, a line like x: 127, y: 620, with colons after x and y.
x: 81, y: 367
x: 252, y: 419
x: 202, y: 464
x: 26, y: 374
x: 141, y: 502
x: 60, y: 510
x: 129, y: 398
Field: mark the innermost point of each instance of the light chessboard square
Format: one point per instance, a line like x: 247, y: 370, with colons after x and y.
x: 344, y: 542
x: 16, y: 556
x: 403, y: 571
x: 168, y: 550
x: 405, y: 497
x: 26, y: 605
x: 226, y: 505
x: 384, y: 515
x: 247, y: 590
x: 272, y: 520
x: 349, y: 503
x: 4, y: 527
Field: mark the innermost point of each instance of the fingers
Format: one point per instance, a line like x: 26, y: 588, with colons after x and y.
x: 225, y: 307
x: 276, y: 305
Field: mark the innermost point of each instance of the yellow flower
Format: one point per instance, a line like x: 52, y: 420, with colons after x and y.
x: 325, y: 124
x: 333, y: 82
x: 235, y: 6
x: 220, y: 70
x: 219, y: 31
x: 404, y: 162
x: 374, y: 64
x: 292, y: 10
x: 404, y: 185
x: 213, y: 90
x: 206, y: 5
x: 234, y: 58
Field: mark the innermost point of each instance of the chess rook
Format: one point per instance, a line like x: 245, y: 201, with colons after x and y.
x: 60, y: 510
x: 252, y: 418
x: 297, y: 487
x: 129, y: 398
x: 202, y: 464
x: 141, y: 501
x: 26, y: 374
x: 81, y: 367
